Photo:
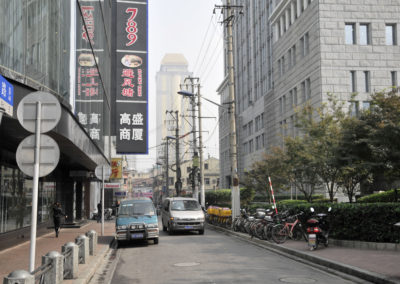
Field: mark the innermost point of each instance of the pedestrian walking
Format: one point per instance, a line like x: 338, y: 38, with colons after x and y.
x: 99, y: 212
x: 57, y: 215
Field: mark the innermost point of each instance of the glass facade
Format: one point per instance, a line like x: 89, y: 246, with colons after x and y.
x: 16, y: 199
x: 36, y: 49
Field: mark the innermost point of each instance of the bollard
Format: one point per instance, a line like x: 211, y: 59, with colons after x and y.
x: 71, y: 260
x: 83, y: 242
x: 56, y: 274
x: 92, y: 234
x: 19, y: 277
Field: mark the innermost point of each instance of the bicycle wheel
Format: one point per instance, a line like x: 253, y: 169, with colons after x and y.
x: 279, y: 233
x: 268, y: 231
x: 297, y: 234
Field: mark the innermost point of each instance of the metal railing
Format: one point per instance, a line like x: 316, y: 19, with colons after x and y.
x: 41, y: 271
x: 80, y: 244
x: 41, y: 274
x: 66, y: 255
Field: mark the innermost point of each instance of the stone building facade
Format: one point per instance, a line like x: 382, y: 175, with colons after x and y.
x: 288, y: 52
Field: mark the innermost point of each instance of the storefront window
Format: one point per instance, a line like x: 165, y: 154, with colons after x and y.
x: 16, y: 199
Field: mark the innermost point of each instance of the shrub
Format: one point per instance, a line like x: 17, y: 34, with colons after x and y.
x: 387, y: 196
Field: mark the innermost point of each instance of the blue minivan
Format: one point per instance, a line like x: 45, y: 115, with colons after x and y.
x: 137, y: 220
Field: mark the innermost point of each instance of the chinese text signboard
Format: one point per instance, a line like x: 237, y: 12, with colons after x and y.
x: 6, y: 96
x: 116, y: 168
x: 88, y: 91
x: 131, y: 77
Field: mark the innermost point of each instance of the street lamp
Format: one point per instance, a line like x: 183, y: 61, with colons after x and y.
x: 2, y: 110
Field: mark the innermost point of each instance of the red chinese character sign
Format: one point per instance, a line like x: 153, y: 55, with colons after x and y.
x: 131, y: 77
x: 88, y: 88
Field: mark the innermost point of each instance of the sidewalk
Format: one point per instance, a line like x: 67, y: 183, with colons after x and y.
x: 17, y: 257
x: 376, y: 266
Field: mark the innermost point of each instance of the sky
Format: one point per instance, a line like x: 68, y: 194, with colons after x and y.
x: 188, y: 27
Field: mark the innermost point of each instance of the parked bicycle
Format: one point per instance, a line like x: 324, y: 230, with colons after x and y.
x: 291, y: 227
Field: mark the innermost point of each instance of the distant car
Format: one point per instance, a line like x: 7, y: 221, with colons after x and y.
x: 137, y: 220
x: 182, y: 214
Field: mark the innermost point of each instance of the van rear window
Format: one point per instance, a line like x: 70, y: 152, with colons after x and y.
x: 132, y: 209
x: 184, y: 205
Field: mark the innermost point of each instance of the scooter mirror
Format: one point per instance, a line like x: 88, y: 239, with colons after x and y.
x: 312, y: 209
x: 329, y: 209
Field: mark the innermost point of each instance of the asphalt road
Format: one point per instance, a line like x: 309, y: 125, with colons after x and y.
x: 210, y: 258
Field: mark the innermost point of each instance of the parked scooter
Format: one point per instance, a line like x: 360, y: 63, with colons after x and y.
x: 318, y: 229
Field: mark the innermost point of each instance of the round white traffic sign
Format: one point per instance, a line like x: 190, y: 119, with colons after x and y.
x: 103, y: 171
x: 50, y: 109
x: 49, y: 155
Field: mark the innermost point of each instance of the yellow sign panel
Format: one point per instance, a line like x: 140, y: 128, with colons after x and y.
x: 116, y: 168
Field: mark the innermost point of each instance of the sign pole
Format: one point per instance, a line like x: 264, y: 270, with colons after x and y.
x: 102, y: 202
x: 35, y: 188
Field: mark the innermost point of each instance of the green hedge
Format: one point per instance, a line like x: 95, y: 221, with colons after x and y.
x: 360, y: 222
x: 222, y: 197
x: 387, y: 196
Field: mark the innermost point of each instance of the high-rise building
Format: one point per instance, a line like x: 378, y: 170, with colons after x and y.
x: 170, y: 80
x: 291, y: 51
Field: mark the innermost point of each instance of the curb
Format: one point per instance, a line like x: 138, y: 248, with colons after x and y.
x: 298, y: 255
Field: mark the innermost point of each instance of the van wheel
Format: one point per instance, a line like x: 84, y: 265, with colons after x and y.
x: 201, y: 232
x: 155, y: 241
x: 164, y: 228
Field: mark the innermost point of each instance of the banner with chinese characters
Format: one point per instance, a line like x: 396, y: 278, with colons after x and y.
x: 131, y: 77
x: 116, y: 168
x: 88, y: 88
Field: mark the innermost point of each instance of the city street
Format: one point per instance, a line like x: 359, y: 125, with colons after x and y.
x: 211, y: 258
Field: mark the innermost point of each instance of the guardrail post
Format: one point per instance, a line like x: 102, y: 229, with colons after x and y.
x: 56, y: 274
x: 19, y: 277
x: 83, y: 242
x: 92, y: 234
x: 71, y: 260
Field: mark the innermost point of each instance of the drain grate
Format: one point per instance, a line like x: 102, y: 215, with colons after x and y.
x: 186, y: 264
x: 297, y: 280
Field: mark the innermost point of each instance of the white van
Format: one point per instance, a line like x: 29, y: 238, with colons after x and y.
x: 182, y: 214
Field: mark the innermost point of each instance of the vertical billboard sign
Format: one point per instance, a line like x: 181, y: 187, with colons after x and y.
x: 131, y: 77
x: 6, y: 96
x: 89, y: 91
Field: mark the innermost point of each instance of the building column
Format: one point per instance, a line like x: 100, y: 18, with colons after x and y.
x: 79, y: 199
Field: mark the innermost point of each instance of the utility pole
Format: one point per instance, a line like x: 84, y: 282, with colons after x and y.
x: 166, y: 170
x: 235, y: 195
x: 178, y: 183
x: 202, y: 193
x: 195, y: 152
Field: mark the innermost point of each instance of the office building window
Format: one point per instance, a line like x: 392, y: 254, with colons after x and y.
x: 207, y: 181
x: 303, y: 91
x: 251, y: 149
x: 280, y: 106
x: 350, y: 33
x: 206, y: 166
x: 353, y: 81
x: 308, y: 89
x: 304, y: 42
x: 294, y: 55
x: 353, y: 108
x: 390, y: 31
x: 393, y: 76
x: 366, y: 105
x: 367, y: 82
x: 295, y: 96
x: 364, y: 34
